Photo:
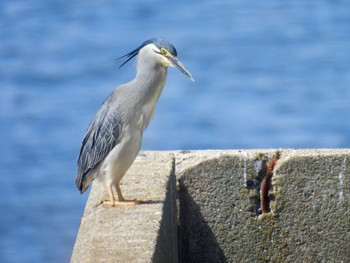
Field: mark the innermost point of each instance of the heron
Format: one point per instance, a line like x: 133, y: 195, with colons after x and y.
x: 113, y: 138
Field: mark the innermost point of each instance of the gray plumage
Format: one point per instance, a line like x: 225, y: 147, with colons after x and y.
x: 114, y: 136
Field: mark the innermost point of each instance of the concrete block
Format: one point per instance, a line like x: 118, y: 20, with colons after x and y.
x: 141, y: 233
x: 311, y: 210
x: 220, y: 218
x: 219, y: 215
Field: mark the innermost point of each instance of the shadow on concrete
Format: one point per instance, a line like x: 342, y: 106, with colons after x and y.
x: 166, y: 247
x: 197, y: 242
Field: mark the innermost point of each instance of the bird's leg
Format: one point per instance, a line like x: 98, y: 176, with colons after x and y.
x: 119, y: 192
x: 123, y: 202
x: 111, y: 197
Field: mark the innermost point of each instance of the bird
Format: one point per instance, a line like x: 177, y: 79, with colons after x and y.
x: 113, y: 138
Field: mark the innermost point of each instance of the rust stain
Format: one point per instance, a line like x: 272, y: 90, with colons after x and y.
x: 264, y: 193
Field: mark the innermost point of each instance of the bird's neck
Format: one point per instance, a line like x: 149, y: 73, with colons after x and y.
x: 148, y: 85
x: 151, y: 82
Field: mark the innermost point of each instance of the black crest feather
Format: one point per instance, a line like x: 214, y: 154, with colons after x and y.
x: 158, y: 42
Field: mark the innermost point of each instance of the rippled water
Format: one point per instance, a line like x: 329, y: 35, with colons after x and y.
x: 268, y: 75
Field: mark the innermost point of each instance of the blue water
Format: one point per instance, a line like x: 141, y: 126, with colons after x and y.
x: 268, y: 75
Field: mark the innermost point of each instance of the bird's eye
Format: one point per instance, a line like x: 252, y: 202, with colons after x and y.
x: 163, y: 50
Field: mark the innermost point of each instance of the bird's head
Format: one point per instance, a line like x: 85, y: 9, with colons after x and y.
x: 161, y: 51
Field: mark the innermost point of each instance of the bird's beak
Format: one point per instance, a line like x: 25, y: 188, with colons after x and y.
x: 181, y: 67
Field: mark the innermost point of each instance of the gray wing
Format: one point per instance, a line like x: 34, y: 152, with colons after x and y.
x: 102, y: 135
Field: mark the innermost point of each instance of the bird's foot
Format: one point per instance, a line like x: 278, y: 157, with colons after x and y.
x: 126, y: 202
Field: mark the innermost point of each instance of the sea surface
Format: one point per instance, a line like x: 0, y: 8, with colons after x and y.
x: 269, y: 74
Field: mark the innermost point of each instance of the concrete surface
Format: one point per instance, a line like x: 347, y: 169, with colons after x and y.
x: 219, y: 206
x: 218, y: 211
x: 142, y: 233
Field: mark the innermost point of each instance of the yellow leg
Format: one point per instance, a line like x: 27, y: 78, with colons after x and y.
x: 121, y: 200
x: 119, y: 192
x: 111, y: 200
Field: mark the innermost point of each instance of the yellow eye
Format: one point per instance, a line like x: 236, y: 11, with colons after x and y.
x: 164, y: 51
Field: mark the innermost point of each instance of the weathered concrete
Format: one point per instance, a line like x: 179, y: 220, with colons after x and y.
x: 219, y: 215
x: 142, y: 233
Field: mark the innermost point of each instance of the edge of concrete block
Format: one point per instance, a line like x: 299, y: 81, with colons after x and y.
x: 141, y: 233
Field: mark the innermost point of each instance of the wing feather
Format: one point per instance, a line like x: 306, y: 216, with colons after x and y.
x: 101, y: 137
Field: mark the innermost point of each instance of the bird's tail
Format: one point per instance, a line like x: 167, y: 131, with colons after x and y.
x: 83, y: 182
